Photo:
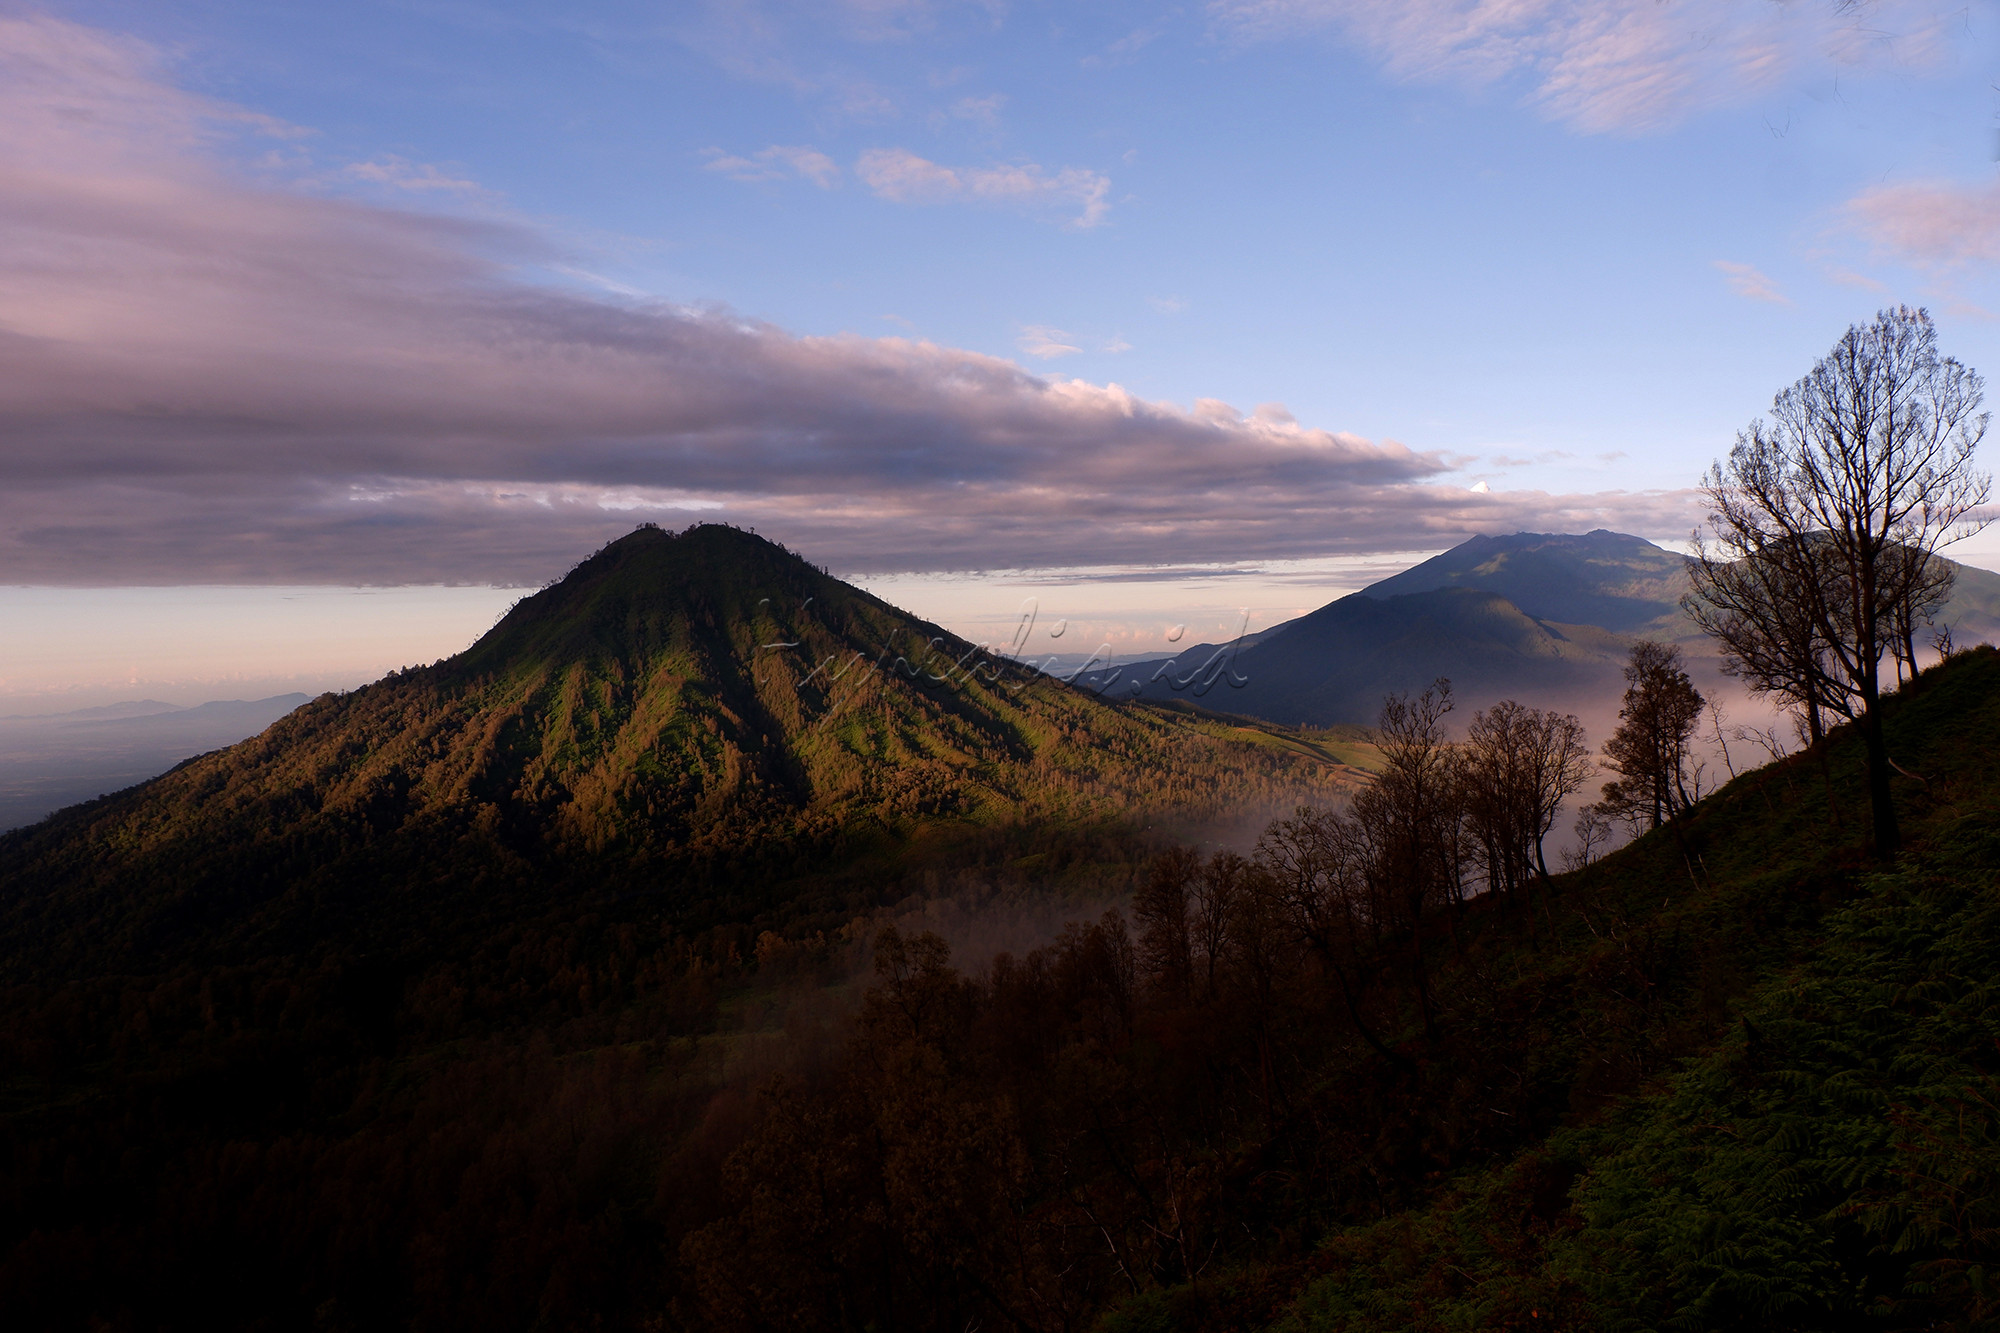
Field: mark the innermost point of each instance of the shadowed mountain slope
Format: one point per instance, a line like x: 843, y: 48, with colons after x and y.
x: 1546, y: 618
x: 1609, y: 579
x: 1541, y: 617
x: 1334, y: 665
x: 681, y: 714
x: 1973, y: 613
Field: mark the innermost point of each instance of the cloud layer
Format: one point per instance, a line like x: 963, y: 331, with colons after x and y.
x: 207, y: 377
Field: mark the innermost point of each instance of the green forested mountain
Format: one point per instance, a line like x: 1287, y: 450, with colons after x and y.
x: 438, y: 1004
x: 683, y: 715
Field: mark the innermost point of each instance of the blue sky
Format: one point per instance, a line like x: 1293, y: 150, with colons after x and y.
x: 449, y: 292
x: 1445, y: 260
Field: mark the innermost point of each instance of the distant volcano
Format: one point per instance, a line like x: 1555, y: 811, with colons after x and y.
x: 1545, y: 618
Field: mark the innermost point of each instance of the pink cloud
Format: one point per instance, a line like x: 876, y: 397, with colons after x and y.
x: 776, y: 163
x: 901, y: 176
x: 1933, y: 224
x: 1747, y: 282
x: 398, y: 173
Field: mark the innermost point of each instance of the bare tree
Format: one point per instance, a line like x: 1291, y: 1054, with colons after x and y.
x: 1845, y: 495
x: 1520, y: 765
x: 1662, y: 709
x: 1759, y: 609
x: 1166, y: 925
x: 1358, y: 886
x: 1215, y: 911
x: 1496, y: 805
x: 1559, y: 765
x: 1923, y: 584
x: 1593, y: 830
x: 1765, y: 738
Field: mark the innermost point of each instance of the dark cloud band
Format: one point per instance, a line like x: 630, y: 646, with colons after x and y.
x: 206, y: 378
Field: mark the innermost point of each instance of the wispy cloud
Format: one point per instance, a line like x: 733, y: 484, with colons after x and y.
x: 901, y: 176
x: 1939, y: 225
x: 778, y: 162
x: 1040, y: 340
x: 1618, y: 66
x: 205, y: 377
x: 1750, y: 284
x: 398, y: 173
x: 787, y: 45
x: 1125, y: 50
x: 980, y: 110
x: 1846, y: 277
x: 886, y: 20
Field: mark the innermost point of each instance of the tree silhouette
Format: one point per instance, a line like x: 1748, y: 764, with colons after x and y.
x: 1836, y: 507
x: 1650, y: 748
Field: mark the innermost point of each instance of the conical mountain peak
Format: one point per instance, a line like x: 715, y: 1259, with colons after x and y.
x: 691, y: 708
x: 646, y: 590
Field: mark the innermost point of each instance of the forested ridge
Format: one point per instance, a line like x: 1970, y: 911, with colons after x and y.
x: 703, y: 719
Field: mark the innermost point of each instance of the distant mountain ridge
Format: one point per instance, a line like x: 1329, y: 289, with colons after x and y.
x: 49, y: 761
x: 1546, y: 618
x: 1334, y: 666
x: 1608, y: 579
x: 122, y: 709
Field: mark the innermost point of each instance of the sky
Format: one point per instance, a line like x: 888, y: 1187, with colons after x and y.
x: 1163, y: 315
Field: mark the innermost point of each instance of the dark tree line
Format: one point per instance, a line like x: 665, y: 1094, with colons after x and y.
x: 1109, y: 1114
